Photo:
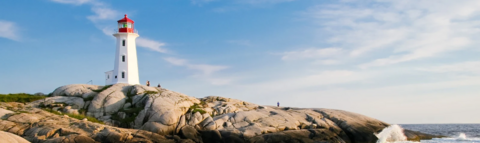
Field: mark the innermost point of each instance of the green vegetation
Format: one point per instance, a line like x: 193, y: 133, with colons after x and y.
x: 131, y: 115
x: 23, y: 112
x: 129, y: 95
x: 19, y: 97
x: 150, y: 92
x: 196, y: 108
x: 80, y: 116
x: 221, y: 99
x: 102, y: 89
x: 199, y: 110
x: 90, y: 98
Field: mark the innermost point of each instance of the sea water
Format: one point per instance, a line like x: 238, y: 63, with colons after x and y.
x: 455, y: 133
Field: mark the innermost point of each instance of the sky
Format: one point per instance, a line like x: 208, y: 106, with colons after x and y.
x: 409, y: 61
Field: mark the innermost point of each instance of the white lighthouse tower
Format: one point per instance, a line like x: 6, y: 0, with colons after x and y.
x: 126, y: 65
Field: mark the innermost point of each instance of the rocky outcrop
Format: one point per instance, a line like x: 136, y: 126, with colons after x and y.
x: 150, y: 114
x: 7, y: 137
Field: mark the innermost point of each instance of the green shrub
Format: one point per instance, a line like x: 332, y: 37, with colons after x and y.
x: 199, y: 110
x: 150, y: 92
x: 194, y: 106
x: 90, y: 98
x: 132, y: 110
x: 79, y: 116
x: 102, y: 89
x: 19, y: 97
x: 23, y: 112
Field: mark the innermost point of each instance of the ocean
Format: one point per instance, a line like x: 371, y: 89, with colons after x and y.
x: 455, y: 133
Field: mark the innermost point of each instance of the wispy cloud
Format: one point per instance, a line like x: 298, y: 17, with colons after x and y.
x: 202, y: 71
x: 104, y: 18
x: 312, y: 53
x: 404, y: 30
x: 263, y: 1
x: 240, y: 42
x: 205, y: 69
x: 151, y: 44
x: 103, y: 13
x: 9, y: 30
x: 75, y: 2
x: 463, y: 67
x: 200, y: 2
x: 299, y: 83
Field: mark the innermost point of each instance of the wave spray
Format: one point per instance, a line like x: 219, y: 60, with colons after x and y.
x: 392, y: 133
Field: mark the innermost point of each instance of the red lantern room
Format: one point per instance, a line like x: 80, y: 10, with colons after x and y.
x: 125, y: 25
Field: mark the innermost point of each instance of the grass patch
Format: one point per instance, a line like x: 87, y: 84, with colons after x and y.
x: 102, y: 89
x: 196, y: 108
x: 19, y: 97
x: 199, y: 110
x: 79, y: 116
x: 150, y: 92
x: 23, y: 112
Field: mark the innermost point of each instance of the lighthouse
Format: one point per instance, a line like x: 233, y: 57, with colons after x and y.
x: 125, y: 68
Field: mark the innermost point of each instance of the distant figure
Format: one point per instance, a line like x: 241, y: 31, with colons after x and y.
x: 148, y: 83
x: 278, y: 104
x: 159, y: 85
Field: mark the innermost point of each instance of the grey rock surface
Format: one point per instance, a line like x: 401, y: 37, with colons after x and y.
x: 159, y: 115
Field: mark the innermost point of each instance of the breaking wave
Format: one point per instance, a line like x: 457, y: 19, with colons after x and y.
x: 394, y: 134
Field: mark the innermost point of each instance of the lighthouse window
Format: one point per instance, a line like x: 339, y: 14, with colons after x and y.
x: 123, y: 42
x: 123, y: 74
x: 123, y: 58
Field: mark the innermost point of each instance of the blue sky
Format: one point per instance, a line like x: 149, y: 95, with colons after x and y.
x: 410, y: 61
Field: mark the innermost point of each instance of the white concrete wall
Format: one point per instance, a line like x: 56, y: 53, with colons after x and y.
x: 130, y: 66
x: 109, y: 77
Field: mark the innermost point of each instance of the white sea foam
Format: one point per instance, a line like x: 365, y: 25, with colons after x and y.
x: 392, y: 133
x: 461, y: 138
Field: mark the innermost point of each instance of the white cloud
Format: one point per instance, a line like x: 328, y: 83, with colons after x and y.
x: 404, y: 30
x: 463, y: 67
x: 203, y: 68
x: 200, y: 2
x: 299, y: 83
x: 9, y: 30
x: 175, y: 61
x: 327, y: 62
x: 103, y: 13
x: 311, y: 53
x: 240, y: 42
x: 151, y: 44
x: 263, y: 1
x: 104, y: 17
x: 206, y: 71
x: 75, y: 2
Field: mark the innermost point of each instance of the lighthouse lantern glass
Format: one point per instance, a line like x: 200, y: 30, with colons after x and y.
x: 125, y: 25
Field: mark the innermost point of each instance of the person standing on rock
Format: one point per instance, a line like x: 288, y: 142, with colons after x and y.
x: 148, y: 83
x: 159, y: 85
x: 278, y: 104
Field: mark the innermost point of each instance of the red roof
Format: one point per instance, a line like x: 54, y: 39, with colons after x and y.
x: 125, y: 19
